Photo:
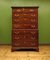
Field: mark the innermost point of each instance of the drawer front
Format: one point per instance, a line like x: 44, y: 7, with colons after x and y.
x: 25, y: 26
x: 26, y: 37
x: 19, y: 10
x: 25, y: 21
x: 25, y: 41
x: 24, y: 31
x: 25, y: 34
x: 26, y: 15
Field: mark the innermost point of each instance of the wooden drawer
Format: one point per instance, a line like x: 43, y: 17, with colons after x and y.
x: 28, y: 15
x: 27, y: 42
x: 15, y: 10
x: 25, y: 34
x: 25, y: 26
x: 25, y: 20
x: 26, y: 37
x: 23, y: 43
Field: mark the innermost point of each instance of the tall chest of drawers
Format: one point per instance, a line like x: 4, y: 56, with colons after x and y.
x: 25, y: 28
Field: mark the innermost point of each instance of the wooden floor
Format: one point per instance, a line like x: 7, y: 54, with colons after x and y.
x: 6, y: 54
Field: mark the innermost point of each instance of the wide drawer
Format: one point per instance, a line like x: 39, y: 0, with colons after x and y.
x: 25, y: 31
x: 25, y: 21
x: 15, y: 10
x: 26, y: 15
x: 25, y: 37
x: 25, y: 26
x: 27, y: 42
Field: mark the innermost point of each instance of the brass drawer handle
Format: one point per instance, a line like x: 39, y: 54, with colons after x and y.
x: 16, y: 15
x: 16, y: 20
x: 33, y: 32
x: 31, y: 10
x: 16, y: 32
x: 33, y: 26
x: 18, y: 10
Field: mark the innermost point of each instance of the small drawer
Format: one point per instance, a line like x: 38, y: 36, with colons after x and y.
x: 24, y: 10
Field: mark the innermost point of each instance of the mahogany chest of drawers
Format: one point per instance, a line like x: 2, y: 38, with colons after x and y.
x: 25, y: 28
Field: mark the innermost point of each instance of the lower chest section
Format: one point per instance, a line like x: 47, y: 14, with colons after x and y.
x: 25, y: 38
